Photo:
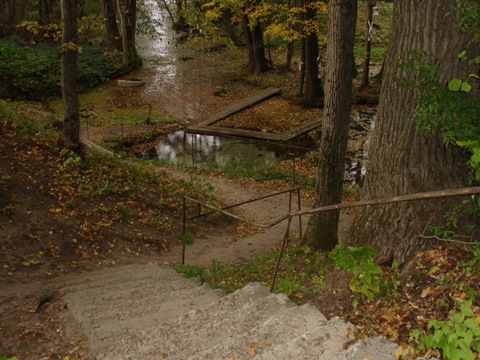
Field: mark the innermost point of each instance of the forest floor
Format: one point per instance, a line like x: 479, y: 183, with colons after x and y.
x: 60, y: 216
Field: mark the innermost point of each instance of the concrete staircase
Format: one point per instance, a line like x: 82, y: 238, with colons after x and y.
x: 148, y: 312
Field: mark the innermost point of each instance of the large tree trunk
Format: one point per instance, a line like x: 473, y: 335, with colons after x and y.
x: 110, y: 18
x: 402, y: 160
x: 313, y: 95
x: 322, y: 228
x: 71, y: 122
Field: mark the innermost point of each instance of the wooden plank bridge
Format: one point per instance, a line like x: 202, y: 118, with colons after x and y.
x: 208, y: 125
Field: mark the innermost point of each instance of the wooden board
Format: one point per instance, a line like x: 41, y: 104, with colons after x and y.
x: 207, y: 127
x: 238, y: 106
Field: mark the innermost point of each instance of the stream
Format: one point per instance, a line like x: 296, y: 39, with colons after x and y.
x: 177, y: 80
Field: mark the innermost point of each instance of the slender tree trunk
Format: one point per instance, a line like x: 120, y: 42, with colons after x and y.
x: 71, y: 120
x: 313, y: 95
x: 123, y: 26
x: 402, y: 160
x: 368, y: 50
x: 322, y: 227
x: 131, y: 29
x: 113, y: 35
x: 81, y: 8
x: 379, y: 77
x: 301, y: 84
x: 181, y: 23
x: 44, y: 12
x: 260, y: 62
x: 170, y: 14
x: 229, y: 26
x: 8, y: 17
x: 290, y: 44
x: 290, y: 53
x: 257, y: 62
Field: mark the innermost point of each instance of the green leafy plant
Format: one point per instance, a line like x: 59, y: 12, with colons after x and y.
x: 301, y: 272
x: 474, y: 263
x: 186, y: 239
x: 358, y: 261
x: 289, y: 284
x: 71, y: 159
x: 458, y: 337
x: 190, y: 271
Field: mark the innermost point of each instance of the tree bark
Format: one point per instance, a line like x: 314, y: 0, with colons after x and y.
x: 71, y: 120
x: 81, y: 8
x: 128, y: 21
x: 313, y: 95
x: 402, y: 160
x: 8, y: 17
x: 181, y: 23
x: 109, y: 16
x: 257, y: 63
x: 301, y: 84
x: 123, y: 26
x: 322, y: 227
x: 131, y: 32
x: 368, y: 50
x: 44, y: 12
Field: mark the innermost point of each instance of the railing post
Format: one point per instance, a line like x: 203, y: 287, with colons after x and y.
x: 294, y: 171
x: 194, y: 149
x: 289, y: 203
x: 184, y: 228
x: 284, y: 242
x: 300, y: 216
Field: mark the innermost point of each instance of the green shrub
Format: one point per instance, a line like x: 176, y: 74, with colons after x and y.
x: 458, y: 337
x: 366, y: 274
x: 35, y: 72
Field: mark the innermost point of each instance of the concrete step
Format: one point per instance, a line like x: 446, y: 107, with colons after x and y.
x: 140, y: 303
x: 147, y: 312
x: 127, y: 277
x: 204, y: 328
x: 374, y: 348
x: 321, y: 341
x: 151, y: 297
x: 271, y: 339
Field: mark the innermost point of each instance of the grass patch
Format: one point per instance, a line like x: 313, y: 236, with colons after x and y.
x: 26, y: 118
x: 108, y: 105
x: 301, y: 272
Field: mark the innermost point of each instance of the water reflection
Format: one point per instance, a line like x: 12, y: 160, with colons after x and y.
x: 181, y: 148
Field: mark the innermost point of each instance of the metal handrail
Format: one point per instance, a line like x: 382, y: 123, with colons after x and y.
x: 215, y: 209
x: 389, y: 200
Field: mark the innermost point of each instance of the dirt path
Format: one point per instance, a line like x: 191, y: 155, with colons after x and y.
x: 229, y: 245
